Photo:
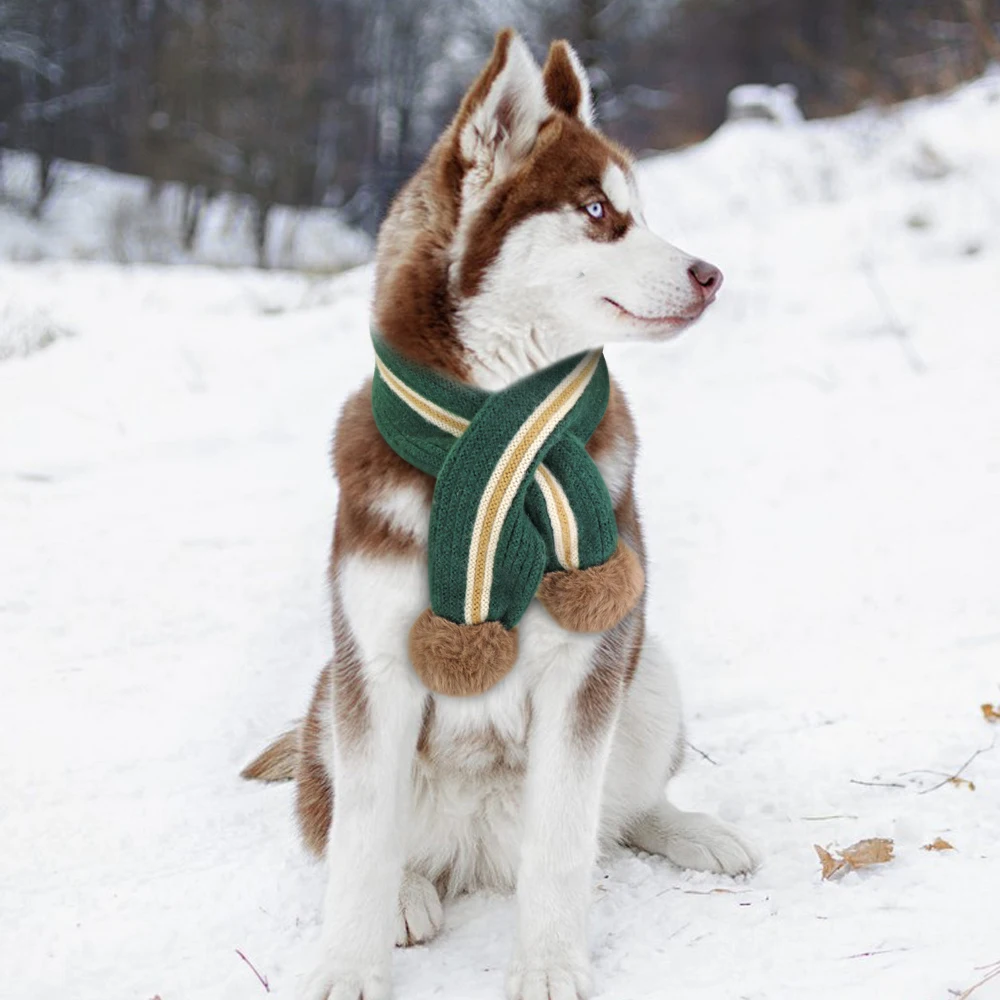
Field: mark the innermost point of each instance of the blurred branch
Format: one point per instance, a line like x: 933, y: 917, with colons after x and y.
x: 976, y: 12
x: 855, y: 81
x: 55, y: 107
x: 335, y: 102
x: 22, y: 50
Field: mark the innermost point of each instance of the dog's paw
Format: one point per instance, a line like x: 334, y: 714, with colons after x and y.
x: 562, y: 977
x: 419, y: 916
x: 334, y: 981
x: 704, y: 843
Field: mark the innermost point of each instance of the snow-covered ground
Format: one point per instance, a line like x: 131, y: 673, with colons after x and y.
x: 96, y: 214
x: 823, y: 514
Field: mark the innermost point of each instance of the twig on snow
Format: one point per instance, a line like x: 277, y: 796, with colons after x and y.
x: 715, y: 892
x: 965, y: 994
x: 894, y: 323
x: 870, y: 954
x: 701, y: 753
x: 253, y: 969
x: 680, y: 930
x: 878, y: 784
x: 953, y: 778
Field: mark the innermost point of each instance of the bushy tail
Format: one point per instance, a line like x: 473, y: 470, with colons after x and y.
x: 277, y: 762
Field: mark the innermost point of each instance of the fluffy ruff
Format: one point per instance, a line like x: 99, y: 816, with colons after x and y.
x: 461, y: 659
x: 594, y: 599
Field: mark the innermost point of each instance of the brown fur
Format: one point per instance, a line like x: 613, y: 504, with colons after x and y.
x: 415, y: 311
x: 629, y: 524
x: 426, y: 727
x: 564, y: 170
x: 366, y: 467
x: 414, y: 308
x: 617, y: 656
x: 277, y: 762
x: 594, y: 599
x: 350, y: 699
x: 477, y: 93
x: 617, y: 427
x: 461, y: 659
x: 630, y: 532
x: 598, y: 697
x: 339, y: 693
x: 314, y: 788
x: 562, y: 85
x: 414, y: 302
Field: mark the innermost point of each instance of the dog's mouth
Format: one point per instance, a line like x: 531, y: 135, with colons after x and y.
x: 663, y: 323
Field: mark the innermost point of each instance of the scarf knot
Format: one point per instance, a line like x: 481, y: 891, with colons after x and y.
x: 519, y: 510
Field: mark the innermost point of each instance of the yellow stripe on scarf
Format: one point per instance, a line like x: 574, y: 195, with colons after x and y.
x: 431, y: 412
x: 561, y: 517
x: 506, y: 479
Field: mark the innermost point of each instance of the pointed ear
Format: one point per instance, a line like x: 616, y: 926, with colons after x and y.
x: 566, y: 84
x: 500, y: 116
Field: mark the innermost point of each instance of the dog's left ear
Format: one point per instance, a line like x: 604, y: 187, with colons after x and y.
x: 567, y: 86
x: 500, y: 117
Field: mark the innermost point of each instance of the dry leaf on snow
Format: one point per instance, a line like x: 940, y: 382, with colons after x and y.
x: 991, y: 713
x: 872, y: 851
x: 962, y: 782
x: 939, y: 845
x: 830, y: 865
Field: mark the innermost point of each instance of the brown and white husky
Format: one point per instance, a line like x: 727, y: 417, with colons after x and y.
x: 519, y: 242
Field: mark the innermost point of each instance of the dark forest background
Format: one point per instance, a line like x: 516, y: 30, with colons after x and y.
x: 334, y: 102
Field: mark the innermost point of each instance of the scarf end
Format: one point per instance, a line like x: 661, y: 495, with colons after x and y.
x: 461, y: 660
x: 598, y: 598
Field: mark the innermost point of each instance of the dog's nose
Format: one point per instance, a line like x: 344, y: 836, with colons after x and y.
x: 706, y: 278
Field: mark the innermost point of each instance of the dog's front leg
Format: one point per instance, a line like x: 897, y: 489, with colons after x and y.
x: 377, y: 720
x: 568, y: 752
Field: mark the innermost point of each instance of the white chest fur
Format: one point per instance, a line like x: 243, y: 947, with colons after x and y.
x: 464, y: 828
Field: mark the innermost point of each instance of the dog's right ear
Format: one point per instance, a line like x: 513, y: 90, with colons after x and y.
x: 500, y: 116
x: 567, y: 85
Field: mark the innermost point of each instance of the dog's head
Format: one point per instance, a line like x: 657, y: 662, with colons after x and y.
x: 546, y: 251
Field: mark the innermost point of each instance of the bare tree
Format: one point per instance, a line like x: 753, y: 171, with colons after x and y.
x: 334, y: 102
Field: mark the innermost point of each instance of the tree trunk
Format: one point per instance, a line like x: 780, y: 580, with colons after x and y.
x: 859, y: 18
x: 194, y: 204
x: 262, y: 212
x: 46, y: 181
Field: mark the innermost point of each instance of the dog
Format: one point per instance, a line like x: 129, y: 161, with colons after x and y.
x: 519, y: 242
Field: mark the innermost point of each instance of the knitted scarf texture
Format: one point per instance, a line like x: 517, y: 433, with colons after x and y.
x: 517, y: 495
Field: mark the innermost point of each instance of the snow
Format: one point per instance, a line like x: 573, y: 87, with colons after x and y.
x: 96, y: 214
x: 820, y: 479
x: 757, y: 100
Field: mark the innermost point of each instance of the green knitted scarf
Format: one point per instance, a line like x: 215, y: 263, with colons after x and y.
x: 517, y: 495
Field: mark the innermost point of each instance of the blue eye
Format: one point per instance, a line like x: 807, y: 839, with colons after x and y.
x: 595, y: 210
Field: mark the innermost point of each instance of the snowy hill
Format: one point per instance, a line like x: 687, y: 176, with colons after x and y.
x: 96, y: 214
x: 821, y: 510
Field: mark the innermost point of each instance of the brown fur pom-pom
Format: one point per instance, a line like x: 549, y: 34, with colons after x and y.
x: 461, y: 659
x: 594, y: 599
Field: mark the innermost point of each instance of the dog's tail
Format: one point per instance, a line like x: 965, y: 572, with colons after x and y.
x: 277, y: 762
